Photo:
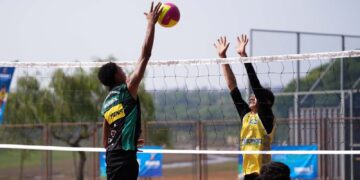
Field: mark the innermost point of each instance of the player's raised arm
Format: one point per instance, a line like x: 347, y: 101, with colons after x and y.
x: 135, y: 78
x: 254, y: 80
x: 242, y: 107
x: 264, y: 96
x: 221, y: 46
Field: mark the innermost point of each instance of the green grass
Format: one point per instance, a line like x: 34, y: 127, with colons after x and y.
x: 12, y: 158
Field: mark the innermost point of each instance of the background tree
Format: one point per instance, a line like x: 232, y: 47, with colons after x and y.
x: 27, y: 105
x: 73, y: 97
x: 330, y: 81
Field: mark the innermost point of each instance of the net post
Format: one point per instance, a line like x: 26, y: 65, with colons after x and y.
x: 351, y: 136
x: 296, y: 95
x: 341, y: 124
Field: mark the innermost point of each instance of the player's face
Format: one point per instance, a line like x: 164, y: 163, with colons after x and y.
x: 120, y: 76
x: 252, y: 101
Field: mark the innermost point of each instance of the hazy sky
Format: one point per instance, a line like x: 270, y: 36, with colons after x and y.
x: 67, y: 30
x: 83, y: 29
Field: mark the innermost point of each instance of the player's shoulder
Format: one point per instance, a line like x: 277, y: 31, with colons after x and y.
x: 119, y: 88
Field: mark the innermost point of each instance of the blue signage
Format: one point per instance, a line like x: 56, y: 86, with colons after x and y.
x: 150, y: 164
x: 6, y: 74
x: 240, y: 166
x: 102, y: 163
x: 301, y: 166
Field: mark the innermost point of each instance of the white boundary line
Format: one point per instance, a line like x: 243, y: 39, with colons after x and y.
x: 276, y: 58
x: 168, y: 151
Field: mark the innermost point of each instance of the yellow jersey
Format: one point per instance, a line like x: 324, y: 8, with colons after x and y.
x: 253, y: 137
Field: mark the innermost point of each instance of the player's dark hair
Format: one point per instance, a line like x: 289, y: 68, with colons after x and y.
x: 106, y: 74
x: 274, y: 171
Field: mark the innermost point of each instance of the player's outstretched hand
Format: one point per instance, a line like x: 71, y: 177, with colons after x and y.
x: 241, y: 45
x: 153, y: 15
x: 221, y: 46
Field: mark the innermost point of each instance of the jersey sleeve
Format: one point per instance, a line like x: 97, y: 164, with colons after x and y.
x: 255, y: 83
x: 265, y: 112
x: 241, y: 106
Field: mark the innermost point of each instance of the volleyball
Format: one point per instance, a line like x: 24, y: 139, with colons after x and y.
x: 169, y: 16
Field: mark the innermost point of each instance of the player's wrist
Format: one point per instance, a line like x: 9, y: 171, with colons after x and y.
x: 242, y: 54
x: 222, y: 55
x: 151, y: 25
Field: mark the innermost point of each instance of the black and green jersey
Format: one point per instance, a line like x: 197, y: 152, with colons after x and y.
x: 122, y: 113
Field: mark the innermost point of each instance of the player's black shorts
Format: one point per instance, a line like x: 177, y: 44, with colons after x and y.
x: 121, y: 165
x: 252, y: 176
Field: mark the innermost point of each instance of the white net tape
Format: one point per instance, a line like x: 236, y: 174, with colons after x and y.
x: 265, y: 59
x: 170, y: 151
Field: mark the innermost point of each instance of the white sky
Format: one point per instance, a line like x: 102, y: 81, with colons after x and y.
x: 67, y: 30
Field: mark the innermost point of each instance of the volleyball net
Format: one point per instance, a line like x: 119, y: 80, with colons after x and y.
x: 50, y: 113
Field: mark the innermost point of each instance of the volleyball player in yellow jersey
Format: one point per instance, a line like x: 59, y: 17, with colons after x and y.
x: 256, y: 117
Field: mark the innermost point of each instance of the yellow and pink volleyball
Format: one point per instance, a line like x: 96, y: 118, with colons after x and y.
x: 169, y: 16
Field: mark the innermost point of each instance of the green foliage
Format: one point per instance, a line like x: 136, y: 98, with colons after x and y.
x: 330, y: 81
x: 73, y: 97
x: 147, y: 104
x: 70, y: 97
x: 79, y: 95
x: 28, y: 104
x: 194, y: 105
x: 160, y: 137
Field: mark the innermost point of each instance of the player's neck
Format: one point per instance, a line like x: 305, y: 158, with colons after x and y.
x: 254, y: 110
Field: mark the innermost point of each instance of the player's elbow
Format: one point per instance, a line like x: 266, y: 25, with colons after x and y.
x: 231, y: 86
x: 135, y: 79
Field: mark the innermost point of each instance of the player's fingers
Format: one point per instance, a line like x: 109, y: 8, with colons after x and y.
x: 160, y: 10
x: 152, y: 6
x: 227, y: 46
x: 157, y: 14
x: 157, y: 7
x: 238, y: 39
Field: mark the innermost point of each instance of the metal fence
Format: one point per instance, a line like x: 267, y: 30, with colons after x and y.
x: 187, y: 134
